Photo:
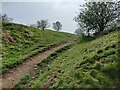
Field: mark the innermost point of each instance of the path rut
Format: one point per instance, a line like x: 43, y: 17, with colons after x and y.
x: 12, y: 77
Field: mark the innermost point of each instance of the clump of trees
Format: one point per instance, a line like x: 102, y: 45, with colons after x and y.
x: 95, y: 18
x: 43, y: 24
x: 57, y: 26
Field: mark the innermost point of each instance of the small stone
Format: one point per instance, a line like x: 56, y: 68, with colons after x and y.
x: 35, y: 68
x: 33, y: 77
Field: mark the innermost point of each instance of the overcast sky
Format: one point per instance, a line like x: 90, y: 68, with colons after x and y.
x: 30, y: 12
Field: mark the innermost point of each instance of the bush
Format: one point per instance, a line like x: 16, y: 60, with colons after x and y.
x: 104, y: 81
x: 25, y: 80
x: 54, y: 54
x: 22, y: 82
x: 83, y: 38
x: 111, y: 69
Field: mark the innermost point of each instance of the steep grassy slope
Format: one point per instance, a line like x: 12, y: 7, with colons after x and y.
x: 21, y: 42
x: 94, y: 64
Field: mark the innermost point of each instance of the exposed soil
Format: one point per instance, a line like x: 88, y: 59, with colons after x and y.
x: 7, y: 38
x: 13, y: 76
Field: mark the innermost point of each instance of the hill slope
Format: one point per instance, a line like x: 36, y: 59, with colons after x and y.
x: 21, y: 42
x: 93, y: 64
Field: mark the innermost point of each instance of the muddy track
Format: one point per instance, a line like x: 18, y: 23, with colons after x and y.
x: 12, y: 77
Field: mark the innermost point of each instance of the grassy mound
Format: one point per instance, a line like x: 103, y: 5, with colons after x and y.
x: 21, y: 42
x: 94, y: 64
x: 91, y: 65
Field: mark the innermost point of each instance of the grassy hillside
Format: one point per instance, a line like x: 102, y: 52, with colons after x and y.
x: 21, y: 42
x: 93, y: 64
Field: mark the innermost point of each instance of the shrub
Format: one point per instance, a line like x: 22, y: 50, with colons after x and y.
x: 111, y: 69
x: 54, y: 54
x: 104, y: 81
x: 41, y: 65
x: 83, y: 38
x: 22, y: 82
x: 25, y: 80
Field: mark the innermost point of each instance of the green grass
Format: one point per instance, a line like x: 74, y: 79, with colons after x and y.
x: 94, y: 64
x: 22, y: 82
x: 43, y: 65
x: 20, y: 42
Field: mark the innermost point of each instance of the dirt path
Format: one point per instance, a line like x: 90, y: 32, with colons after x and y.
x: 14, y: 75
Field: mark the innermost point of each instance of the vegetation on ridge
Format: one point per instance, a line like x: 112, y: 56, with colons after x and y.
x: 18, y: 40
x: 94, y: 64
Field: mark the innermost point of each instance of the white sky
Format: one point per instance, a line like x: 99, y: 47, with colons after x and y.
x: 54, y: 0
x: 30, y: 12
x: 42, y: 0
